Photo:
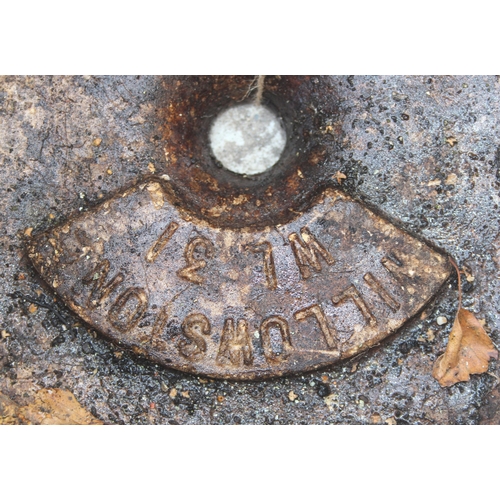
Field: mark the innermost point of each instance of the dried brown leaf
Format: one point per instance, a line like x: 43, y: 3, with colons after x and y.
x: 50, y: 407
x: 8, y: 411
x: 58, y: 407
x: 469, y: 351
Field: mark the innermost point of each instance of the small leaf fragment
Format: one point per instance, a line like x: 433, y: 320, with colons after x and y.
x: 340, y: 176
x: 468, y: 352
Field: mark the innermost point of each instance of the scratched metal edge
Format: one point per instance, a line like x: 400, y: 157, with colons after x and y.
x: 187, y: 215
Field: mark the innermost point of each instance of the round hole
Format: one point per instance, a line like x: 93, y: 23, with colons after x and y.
x: 247, y: 139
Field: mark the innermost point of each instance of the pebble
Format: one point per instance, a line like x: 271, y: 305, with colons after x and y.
x: 441, y: 320
x: 323, y: 390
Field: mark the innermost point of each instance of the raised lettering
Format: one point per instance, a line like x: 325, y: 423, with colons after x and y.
x: 194, y: 264
x: 194, y: 327
x: 317, y: 312
x: 266, y: 250
x: 306, y: 252
x: 159, y: 324
x: 381, y: 292
x: 128, y: 309
x: 161, y: 242
x: 395, y: 265
x: 265, y: 334
x: 235, y: 345
x: 97, y: 278
x: 353, y: 294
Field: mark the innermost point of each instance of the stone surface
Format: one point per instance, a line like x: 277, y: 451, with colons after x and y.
x: 423, y: 150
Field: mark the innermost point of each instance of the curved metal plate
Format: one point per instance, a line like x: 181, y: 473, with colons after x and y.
x: 238, y: 304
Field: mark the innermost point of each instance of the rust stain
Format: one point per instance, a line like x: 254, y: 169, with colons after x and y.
x: 203, y: 186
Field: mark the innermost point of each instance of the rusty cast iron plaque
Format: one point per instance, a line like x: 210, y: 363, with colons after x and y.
x: 233, y: 302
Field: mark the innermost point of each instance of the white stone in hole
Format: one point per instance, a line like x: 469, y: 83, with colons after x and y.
x: 247, y: 139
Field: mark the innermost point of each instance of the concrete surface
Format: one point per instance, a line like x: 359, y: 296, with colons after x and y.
x: 424, y: 150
